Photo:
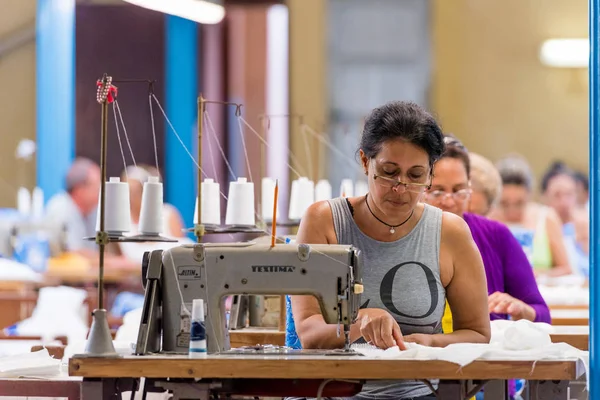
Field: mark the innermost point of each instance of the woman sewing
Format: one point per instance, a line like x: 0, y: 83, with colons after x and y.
x: 415, y: 256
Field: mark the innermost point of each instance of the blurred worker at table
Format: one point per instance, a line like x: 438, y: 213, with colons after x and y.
x: 536, y: 226
x: 75, y: 210
x: 486, y: 185
x: 583, y: 190
x: 559, y: 189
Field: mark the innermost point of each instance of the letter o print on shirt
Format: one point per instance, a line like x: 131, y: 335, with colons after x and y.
x: 387, y: 286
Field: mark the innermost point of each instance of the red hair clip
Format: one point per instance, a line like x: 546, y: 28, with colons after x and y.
x: 106, y: 91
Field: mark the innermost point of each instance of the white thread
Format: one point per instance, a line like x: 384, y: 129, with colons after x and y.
x: 209, y: 121
x: 179, y: 138
x: 290, y: 153
x: 244, y: 146
x: 323, y: 140
x: 153, y: 131
x: 307, y: 150
x: 267, y: 144
x: 181, y: 142
x: 120, y: 144
x: 125, y: 131
x: 210, y: 150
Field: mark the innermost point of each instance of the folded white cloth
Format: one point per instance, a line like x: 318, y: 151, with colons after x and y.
x: 58, y: 312
x: 511, y: 340
x: 11, y: 270
x: 29, y: 364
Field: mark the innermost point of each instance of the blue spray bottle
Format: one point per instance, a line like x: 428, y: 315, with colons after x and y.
x: 197, y: 331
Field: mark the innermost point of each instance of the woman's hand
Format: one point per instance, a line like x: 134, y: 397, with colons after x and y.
x: 420, y: 338
x: 379, y: 328
x: 502, y: 303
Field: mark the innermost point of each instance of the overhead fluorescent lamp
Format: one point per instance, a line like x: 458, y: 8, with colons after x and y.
x: 565, y: 53
x: 201, y: 11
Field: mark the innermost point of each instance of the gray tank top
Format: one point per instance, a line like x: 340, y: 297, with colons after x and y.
x: 402, y: 277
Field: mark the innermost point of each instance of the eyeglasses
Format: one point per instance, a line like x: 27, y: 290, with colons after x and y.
x: 395, y: 184
x: 440, y: 195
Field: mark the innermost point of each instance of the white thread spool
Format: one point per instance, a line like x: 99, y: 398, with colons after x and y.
x: 151, y: 212
x: 361, y: 188
x: 323, y: 190
x: 37, y: 203
x: 240, y: 206
x: 117, y: 214
x: 211, y: 204
x: 267, y: 198
x: 24, y: 201
x: 303, y: 195
x: 347, y: 188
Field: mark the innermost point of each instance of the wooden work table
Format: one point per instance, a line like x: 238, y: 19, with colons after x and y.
x: 314, y: 367
x: 56, y: 387
x: 280, y: 375
x: 577, y: 336
x: 570, y: 317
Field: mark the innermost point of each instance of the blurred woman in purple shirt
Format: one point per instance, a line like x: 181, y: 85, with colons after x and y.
x: 512, y: 288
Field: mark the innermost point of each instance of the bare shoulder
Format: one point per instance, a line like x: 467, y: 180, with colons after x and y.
x: 316, y: 225
x: 454, y: 228
x: 456, y: 243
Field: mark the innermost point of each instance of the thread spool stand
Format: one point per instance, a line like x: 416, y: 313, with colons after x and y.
x: 199, y: 228
x: 121, y: 238
x: 99, y: 343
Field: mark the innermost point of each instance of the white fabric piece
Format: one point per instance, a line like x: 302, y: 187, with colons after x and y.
x: 16, y: 347
x: 29, y: 364
x: 566, y: 294
x: 128, y: 331
x: 57, y: 313
x: 11, y: 270
x: 511, y: 340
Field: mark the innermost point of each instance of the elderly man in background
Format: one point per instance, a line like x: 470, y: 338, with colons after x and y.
x: 76, y: 210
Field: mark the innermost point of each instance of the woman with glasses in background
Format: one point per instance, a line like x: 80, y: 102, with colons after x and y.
x: 414, y: 255
x: 513, y: 292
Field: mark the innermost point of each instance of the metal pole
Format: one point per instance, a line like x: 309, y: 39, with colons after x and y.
x: 198, y: 227
x: 103, y: 146
x: 594, y: 97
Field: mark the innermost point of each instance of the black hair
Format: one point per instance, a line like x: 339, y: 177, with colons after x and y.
x: 557, y: 168
x: 406, y: 121
x: 583, y: 179
x: 455, y: 149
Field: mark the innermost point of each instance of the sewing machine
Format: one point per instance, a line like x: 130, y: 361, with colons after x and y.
x: 174, y: 277
x: 12, y: 229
